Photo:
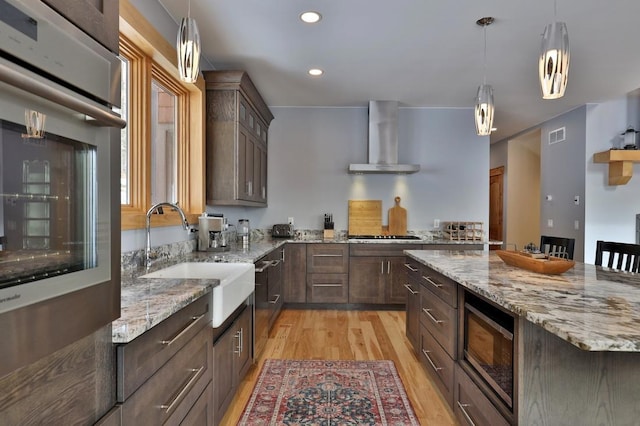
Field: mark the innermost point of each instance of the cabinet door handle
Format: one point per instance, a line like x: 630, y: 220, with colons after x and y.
x: 283, y: 255
x: 410, y: 268
x: 275, y: 262
x: 239, y: 347
x: 327, y: 285
x: 388, y: 267
x: 327, y: 255
x: 382, y: 267
x: 433, y: 283
x: 426, y: 354
x: 276, y: 299
x: 265, y: 265
x: 193, y: 322
x: 241, y: 340
x: 464, y: 412
x: 434, y: 319
x: 185, y: 389
x: 408, y: 287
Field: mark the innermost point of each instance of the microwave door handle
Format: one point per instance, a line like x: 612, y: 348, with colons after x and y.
x: 30, y: 83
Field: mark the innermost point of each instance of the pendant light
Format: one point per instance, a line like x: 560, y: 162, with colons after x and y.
x: 554, y: 59
x: 484, y: 100
x: 188, y: 47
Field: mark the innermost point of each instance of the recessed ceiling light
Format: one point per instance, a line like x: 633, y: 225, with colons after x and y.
x: 310, y: 17
x: 315, y: 72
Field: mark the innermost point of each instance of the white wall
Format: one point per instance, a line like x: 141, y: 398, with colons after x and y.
x: 610, y: 210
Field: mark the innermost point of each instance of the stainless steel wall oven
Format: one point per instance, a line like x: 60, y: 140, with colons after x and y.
x: 59, y: 183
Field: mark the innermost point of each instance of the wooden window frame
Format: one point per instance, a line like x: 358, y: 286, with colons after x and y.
x: 152, y: 57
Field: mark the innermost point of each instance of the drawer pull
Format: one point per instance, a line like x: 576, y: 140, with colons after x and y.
x: 195, y: 376
x: 410, y: 268
x: 276, y: 300
x: 239, y: 347
x: 434, y: 319
x: 408, y: 287
x: 275, y: 262
x: 327, y: 285
x: 327, y: 255
x: 265, y: 265
x: 194, y: 320
x: 433, y: 283
x: 388, y: 267
x: 426, y: 354
x: 464, y: 412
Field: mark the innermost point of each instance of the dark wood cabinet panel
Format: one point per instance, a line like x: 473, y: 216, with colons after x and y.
x: 98, y: 18
x: 295, y: 273
x: 237, y: 122
x: 440, y: 319
x: 328, y: 258
x: 413, y: 289
x: 471, y: 406
x: 395, y: 291
x: 327, y: 288
x: 275, y: 284
x: 436, y: 360
x: 367, y: 279
x: 443, y: 287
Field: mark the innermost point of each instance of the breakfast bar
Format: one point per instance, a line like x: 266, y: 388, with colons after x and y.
x: 576, y: 338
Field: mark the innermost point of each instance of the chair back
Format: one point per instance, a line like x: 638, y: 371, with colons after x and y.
x: 621, y: 256
x: 557, y: 246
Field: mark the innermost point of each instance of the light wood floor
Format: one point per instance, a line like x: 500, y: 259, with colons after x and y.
x: 348, y: 335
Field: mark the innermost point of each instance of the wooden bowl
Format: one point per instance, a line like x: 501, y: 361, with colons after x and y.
x: 550, y: 265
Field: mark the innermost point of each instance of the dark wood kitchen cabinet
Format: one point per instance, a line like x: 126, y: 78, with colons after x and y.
x: 232, y: 357
x: 412, y: 287
x: 98, y: 18
x: 328, y: 273
x: 237, y: 125
x: 295, y: 273
x: 377, y: 273
x: 163, y: 374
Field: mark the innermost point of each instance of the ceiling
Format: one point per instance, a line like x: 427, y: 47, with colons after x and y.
x: 422, y: 53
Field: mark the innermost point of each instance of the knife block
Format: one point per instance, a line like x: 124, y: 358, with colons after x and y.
x: 328, y: 234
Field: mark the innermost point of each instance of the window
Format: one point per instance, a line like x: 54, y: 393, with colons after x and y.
x: 162, y: 146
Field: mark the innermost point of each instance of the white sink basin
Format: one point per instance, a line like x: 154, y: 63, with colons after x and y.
x: 237, y: 282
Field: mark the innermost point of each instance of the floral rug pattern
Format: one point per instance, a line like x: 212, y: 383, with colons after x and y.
x: 328, y: 393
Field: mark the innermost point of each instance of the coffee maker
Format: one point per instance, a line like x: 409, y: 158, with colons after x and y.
x: 212, y: 233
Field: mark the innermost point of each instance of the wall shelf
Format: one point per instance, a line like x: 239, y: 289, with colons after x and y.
x: 620, y: 164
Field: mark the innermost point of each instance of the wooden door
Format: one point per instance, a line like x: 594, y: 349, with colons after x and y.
x: 496, y: 187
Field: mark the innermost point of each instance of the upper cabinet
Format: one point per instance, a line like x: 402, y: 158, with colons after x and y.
x: 98, y: 18
x: 237, y: 127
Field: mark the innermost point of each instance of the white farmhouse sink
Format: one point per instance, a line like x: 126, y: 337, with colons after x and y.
x: 237, y: 282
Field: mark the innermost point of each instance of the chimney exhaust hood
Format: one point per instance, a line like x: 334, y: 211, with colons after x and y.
x: 383, y: 142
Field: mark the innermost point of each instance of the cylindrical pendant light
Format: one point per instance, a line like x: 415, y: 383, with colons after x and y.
x: 554, y: 60
x: 188, y: 48
x: 484, y: 107
x: 484, y: 110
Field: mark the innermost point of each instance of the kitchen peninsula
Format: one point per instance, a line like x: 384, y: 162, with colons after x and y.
x: 576, y: 339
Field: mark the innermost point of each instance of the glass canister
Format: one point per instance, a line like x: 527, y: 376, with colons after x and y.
x: 243, y: 231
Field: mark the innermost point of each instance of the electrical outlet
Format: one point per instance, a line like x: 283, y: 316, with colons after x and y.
x: 576, y: 225
x: 290, y: 220
x: 436, y: 223
x: 576, y: 201
x: 550, y: 223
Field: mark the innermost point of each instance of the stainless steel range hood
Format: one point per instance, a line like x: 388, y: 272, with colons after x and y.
x: 383, y: 142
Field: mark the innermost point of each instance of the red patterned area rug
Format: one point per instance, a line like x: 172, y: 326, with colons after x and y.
x: 328, y: 393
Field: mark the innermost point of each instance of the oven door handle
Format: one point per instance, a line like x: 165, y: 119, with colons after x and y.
x: 30, y: 83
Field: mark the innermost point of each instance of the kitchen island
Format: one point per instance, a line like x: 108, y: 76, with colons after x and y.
x: 577, y: 338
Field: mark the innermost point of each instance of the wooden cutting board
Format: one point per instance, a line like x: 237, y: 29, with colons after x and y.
x: 365, y: 217
x: 397, y: 219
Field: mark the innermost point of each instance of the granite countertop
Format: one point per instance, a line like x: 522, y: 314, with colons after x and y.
x: 593, y: 308
x: 145, y: 302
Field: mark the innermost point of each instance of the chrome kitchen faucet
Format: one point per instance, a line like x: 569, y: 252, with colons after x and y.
x: 174, y: 206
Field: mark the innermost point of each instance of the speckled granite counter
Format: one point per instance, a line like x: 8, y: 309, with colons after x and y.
x: 593, y: 308
x: 146, y: 302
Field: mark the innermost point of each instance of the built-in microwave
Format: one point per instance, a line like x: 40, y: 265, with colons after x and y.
x: 59, y: 183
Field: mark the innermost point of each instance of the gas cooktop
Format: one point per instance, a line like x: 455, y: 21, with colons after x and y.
x: 384, y: 237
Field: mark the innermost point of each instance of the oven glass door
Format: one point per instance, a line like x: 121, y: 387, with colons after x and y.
x: 489, y: 348
x: 54, y: 211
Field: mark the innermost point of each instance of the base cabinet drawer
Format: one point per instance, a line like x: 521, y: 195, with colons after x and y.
x: 327, y: 288
x: 328, y: 258
x: 443, y: 287
x: 201, y: 414
x: 471, y: 406
x: 168, y: 396
x: 440, y: 319
x: 438, y: 363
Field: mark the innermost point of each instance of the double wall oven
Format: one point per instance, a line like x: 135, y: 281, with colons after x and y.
x: 59, y: 183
